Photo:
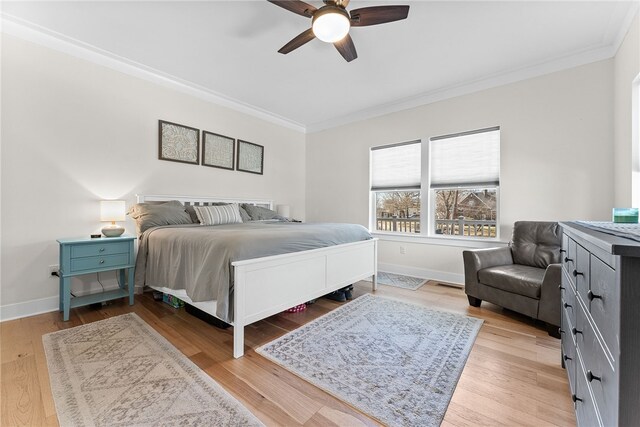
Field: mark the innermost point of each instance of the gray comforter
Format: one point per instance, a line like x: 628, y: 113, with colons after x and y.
x: 198, y: 258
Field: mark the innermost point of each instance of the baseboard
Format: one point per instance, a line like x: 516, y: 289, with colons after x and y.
x: 42, y: 305
x: 28, y: 308
x: 423, y: 273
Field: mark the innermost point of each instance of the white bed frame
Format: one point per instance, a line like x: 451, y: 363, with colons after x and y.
x: 269, y: 285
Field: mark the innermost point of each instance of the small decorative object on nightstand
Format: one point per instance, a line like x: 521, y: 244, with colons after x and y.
x: 87, y: 255
x: 112, y: 210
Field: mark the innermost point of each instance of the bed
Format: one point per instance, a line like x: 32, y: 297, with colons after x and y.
x: 266, y: 285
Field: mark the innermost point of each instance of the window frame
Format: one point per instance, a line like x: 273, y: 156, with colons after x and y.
x: 428, y: 200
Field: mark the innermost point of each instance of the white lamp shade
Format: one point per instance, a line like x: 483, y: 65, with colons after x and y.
x: 283, y: 210
x: 112, y: 210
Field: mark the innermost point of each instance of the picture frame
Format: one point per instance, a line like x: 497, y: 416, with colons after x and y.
x: 218, y: 151
x: 178, y: 143
x: 250, y: 157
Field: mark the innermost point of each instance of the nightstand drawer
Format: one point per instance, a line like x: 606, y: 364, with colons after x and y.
x: 79, y: 251
x: 99, y: 262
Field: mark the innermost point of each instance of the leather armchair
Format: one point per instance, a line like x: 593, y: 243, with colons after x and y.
x: 523, y: 277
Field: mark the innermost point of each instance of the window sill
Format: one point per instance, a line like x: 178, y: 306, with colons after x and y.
x: 463, y: 242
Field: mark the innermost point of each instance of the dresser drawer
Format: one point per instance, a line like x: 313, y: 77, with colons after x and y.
x: 79, y: 251
x: 582, y: 272
x: 600, y: 376
x: 586, y: 412
x: 569, y: 259
x: 603, y: 302
x: 568, y: 299
x: 98, y: 262
x: 568, y: 351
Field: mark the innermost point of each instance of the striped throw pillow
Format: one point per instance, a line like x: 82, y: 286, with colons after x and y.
x: 216, y: 215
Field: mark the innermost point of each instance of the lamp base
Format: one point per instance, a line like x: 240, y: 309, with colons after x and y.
x: 112, y: 231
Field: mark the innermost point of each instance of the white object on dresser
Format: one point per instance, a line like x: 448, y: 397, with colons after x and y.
x: 266, y: 286
x: 600, y: 325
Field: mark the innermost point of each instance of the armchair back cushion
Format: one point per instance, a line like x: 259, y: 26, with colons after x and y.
x: 536, y: 243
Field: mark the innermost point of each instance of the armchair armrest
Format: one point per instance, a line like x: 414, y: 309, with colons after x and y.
x: 549, y: 305
x: 477, y: 259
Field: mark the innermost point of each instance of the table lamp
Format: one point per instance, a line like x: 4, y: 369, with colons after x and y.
x: 112, y: 210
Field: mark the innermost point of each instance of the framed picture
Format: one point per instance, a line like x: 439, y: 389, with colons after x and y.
x: 250, y: 157
x: 218, y: 151
x: 178, y: 143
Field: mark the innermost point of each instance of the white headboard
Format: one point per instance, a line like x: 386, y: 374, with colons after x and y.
x: 201, y: 200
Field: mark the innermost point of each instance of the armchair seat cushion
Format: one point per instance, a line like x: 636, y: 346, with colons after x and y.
x: 516, y: 278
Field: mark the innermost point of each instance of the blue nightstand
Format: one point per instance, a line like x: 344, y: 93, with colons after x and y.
x: 84, y: 256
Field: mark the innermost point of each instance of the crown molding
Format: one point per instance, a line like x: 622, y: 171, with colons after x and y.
x: 19, y: 28
x: 604, y: 50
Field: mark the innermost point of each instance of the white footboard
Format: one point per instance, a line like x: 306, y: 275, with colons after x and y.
x: 269, y: 285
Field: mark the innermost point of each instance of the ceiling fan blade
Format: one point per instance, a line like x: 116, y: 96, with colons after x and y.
x: 346, y: 48
x: 295, y: 6
x: 299, y: 40
x: 378, y: 15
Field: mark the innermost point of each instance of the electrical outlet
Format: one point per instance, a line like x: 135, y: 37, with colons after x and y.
x: 53, y: 270
x: 402, y: 250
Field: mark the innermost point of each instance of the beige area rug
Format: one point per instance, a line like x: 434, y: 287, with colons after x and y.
x: 121, y: 372
x: 395, y: 361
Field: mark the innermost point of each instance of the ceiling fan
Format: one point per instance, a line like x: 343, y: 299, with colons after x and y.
x: 331, y: 23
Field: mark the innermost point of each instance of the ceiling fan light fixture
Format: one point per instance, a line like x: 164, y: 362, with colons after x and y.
x: 331, y: 24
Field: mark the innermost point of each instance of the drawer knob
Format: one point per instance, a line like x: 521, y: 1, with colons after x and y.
x: 593, y: 296
x: 101, y: 249
x: 562, y: 251
x: 565, y: 357
x: 561, y: 287
x: 101, y: 261
x: 576, y: 273
x: 567, y: 259
x: 560, y: 330
x: 591, y: 377
x: 576, y: 331
x: 566, y: 305
x: 575, y: 398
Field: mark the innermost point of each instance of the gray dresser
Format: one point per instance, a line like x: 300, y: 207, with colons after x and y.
x: 600, y: 325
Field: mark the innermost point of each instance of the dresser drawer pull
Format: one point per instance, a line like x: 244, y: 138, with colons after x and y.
x: 561, y: 287
x: 562, y: 251
x: 575, y: 398
x: 565, y: 357
x: 576, y: 331
x: 101, y: 250
x: 567, y: 259
x: 576, y: 273
x: 101, y: 261
x: 591, y: 377
x: 566, y: 305
x: 560, y: 330
x: 593, y: 296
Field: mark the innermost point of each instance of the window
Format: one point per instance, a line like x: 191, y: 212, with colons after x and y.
x: 395, y: 187
x: 458, y: 181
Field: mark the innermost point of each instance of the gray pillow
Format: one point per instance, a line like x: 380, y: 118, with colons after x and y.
x: 192, y: 212
x: 258, y: 213
x: 149, y: 215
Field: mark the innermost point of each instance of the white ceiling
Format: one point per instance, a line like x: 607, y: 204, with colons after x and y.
x: 230, y: 48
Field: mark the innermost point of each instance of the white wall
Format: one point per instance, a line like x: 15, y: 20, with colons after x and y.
x: 74, y: 133
x: 627, y: 152
x: 556, y: 157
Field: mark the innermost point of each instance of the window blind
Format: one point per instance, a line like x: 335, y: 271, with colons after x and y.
x: 396, y: 167
x: 469, y: 159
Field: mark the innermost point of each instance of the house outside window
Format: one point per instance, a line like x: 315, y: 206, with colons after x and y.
x: 459, y: 179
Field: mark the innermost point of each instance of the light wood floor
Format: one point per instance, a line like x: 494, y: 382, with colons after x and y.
x: 513, y: 375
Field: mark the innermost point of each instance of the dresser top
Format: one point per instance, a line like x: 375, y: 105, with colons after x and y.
x: 83, y: 240
x: 608, y: 242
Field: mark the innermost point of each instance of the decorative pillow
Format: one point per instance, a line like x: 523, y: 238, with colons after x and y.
x: 153, y: 214
x: 258, y: 213
x: 192, y: 212
x: 217, y: 215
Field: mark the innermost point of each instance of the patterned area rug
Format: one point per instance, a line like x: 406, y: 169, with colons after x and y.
x: 120, y: 372
x: 399, y: 281
x: 397, y: 362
